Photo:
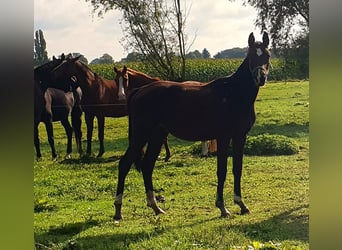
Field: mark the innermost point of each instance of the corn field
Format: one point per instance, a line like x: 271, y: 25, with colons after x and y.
x: 205, y: 70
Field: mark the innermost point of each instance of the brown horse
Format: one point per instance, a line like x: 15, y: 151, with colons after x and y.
x: 101, y: 97
x: 135, y: 79
x: 222, y: 109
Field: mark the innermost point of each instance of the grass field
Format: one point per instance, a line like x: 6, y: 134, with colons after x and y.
x: 73, y: 199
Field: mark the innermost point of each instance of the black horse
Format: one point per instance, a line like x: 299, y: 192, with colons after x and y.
x: 54, y: 102
x: 222, y: 109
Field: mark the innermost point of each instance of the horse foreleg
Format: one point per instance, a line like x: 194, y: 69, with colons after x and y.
x: 68, y: 130
x: 89, y: 118
x: 49, y: 131
x: 238, y: 145
x: 100, y: 124
x: 37, y: 142
x: 222, y: 155
x: 76, y: 121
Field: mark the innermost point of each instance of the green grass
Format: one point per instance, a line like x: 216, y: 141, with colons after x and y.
x: 73, y: 199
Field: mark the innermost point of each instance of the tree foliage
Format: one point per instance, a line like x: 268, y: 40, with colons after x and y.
x: 104, y: 59
x: 287, y: 21
x: 40, y: 55
x: 154, y: 28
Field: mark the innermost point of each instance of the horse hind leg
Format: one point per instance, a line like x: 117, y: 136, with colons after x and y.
x: 222, y: 155
x: 153, y: 149
x: 167, y: 150
x: 76, y: 121
x: 132, y: 153
x: 238, y: 145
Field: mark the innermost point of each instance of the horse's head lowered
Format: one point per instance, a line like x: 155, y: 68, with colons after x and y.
x: 258, y: 57
x: 121, y: 79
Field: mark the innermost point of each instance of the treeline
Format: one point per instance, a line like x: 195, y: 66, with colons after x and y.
x: 205, y: 70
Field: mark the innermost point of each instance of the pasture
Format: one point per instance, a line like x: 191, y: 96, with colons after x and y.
x: 73, y: 199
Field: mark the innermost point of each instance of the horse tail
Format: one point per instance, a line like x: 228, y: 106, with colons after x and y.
x: 139, y: 157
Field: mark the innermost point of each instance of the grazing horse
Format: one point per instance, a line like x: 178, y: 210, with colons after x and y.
x: 100, y: 97
x: 223, y: 110
x: 54, y: 102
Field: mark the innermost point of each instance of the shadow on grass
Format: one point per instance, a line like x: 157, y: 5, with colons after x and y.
x: 59, y: 237
x: 91, y: 160
x: 284, y: 226
x: 290, y: 130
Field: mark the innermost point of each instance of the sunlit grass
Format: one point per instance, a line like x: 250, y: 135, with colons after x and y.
x: 74, y: 198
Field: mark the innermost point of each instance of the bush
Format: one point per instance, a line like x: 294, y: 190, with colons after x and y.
x: 267, y: 144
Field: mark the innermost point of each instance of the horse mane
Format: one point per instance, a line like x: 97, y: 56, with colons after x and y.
x: 85, y: 68
x: 139, y: 73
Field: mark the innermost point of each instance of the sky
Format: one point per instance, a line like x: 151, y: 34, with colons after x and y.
x: 70, y: 27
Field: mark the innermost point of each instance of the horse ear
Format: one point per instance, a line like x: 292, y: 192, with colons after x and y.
x: 115, y: 70
x: 265, y: 39
x: 54, y: 58
x: 125, y: 69
x: 62, y: 56
x: 251, y: 40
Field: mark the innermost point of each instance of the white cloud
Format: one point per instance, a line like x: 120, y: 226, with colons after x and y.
x: 69, y: 26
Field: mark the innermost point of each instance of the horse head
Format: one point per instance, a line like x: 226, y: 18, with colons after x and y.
x: 121, y: 79
x: 259, y: 58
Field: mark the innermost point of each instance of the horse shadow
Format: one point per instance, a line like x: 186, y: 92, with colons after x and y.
x: 287, y: 225
x: 292, y: 129
x: 281, y: 227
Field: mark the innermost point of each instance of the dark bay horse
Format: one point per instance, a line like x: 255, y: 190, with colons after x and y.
x: 100, y: 97
x: 54, y: 102
x: 223, y: 110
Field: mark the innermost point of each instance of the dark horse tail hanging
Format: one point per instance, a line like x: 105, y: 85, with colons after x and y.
x: 222, y: 109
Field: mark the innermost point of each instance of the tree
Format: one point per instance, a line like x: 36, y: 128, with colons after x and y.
x: 193, y: 55
x: 82, y: 58
x: 280, y: 17
x: 104, y: 59
x: 205, y: 54
x: 287, y: 21
x: 133, y: 57
x: 154, y: 29
x: 40, y: 54
x: 232, y: 53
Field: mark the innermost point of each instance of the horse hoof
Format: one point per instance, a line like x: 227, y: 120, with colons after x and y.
x: 39, y: 159
x: 54, y: 158
x: 159, y: 211
x: 67, y: 157
x: 245, y: 211
x: 225, y: 214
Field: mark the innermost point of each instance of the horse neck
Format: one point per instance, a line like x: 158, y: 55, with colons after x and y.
x: 245, y: 87
x: 87, y: 78
x: 137, y: 80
